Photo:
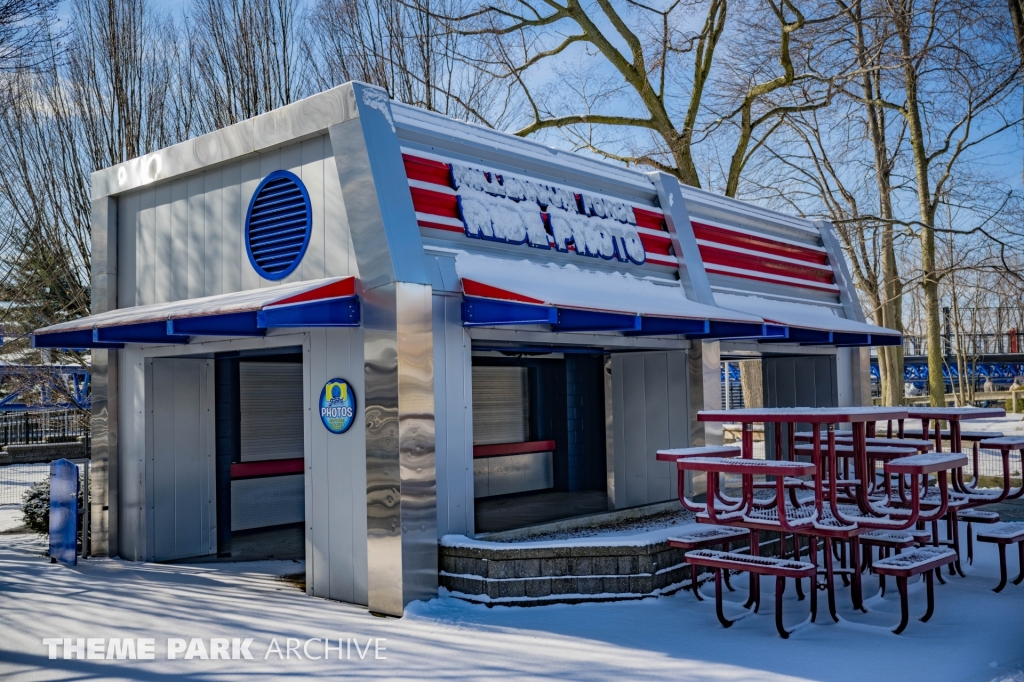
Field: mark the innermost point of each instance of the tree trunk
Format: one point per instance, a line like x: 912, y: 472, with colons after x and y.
x: 753, y: 385
x: 1017, y: 19
x: 890, y: 358
x: 929, y: 275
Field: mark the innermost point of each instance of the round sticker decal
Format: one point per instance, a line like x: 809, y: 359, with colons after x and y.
x: 337, y: 406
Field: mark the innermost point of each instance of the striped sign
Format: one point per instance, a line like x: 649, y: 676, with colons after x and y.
x: 458, y: 197
x: 737, y: 252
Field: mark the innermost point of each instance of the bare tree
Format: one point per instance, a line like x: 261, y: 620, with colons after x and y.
x: 246, y: 57
x: 26, y: 29
x: 405, y: 49
x: 100, y: 101
x: 635, y: 84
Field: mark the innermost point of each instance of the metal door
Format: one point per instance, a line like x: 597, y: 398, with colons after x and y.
x: 182, y: 458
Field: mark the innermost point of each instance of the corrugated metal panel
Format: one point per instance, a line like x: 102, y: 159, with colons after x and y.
x: 336, y: 565
x: 500, y: 405
x: 649, y: 412
x: 453, y: 417
x: 271, y: 410
x: 184, y: 239
x: 513, y: 474
x: 272, y: 501
x: 182, y: 450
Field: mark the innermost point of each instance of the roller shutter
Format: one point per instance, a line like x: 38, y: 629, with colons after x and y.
x: 500, y: 405
x: 270, y: 401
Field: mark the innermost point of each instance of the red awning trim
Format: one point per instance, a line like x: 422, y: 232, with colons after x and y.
x: 267, y: 468
x: 502, y: 449
x: 340, y: 289
x: 473, y: 288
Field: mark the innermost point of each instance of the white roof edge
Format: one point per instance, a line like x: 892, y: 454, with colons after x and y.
x: 722, y: 202
x: 292, y: 122
x: 801, y: 315
x: 412, y: 117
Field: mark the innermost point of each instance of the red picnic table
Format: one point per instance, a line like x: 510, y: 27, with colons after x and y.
x: 954, y: 415
x: 832, y: 522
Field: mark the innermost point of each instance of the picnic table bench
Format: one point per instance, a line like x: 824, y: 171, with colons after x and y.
x: 886, y: 541
x: 923, y: 560
x: 704, y: 538
x: 676, y: 454
x: 756, y: 565
x: 846, y: 438
x: 1003, y: 534
x: 972, y: 516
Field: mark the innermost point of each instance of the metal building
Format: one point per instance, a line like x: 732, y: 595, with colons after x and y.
x: 375, y: 321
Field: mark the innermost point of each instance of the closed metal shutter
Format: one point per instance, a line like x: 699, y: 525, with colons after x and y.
x: 270, y: 402
x: 501, y: 408
x: 273, y: 501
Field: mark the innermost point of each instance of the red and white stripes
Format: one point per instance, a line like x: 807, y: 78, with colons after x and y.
x: 725, y: 249
x: 737, y: 252
x: 437, y: 207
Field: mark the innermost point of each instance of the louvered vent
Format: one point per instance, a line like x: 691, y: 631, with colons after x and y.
x: 278, y: 225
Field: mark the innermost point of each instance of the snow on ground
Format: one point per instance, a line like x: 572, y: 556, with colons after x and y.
x: 10, y: 517
x: 975, y: 634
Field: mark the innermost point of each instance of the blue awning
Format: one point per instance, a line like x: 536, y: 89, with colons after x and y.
x: 319, y: 303
x: 500, y: 292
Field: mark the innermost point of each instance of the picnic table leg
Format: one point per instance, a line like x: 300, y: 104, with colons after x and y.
x: 718, y: 600
x: 842, y: 563
x: 754, y: 599
x: 813, y: 549
x: 856, y: 592
x: 829, y: 576
x: 1020, y: 564
x: 881, y: 578
x: 1002, y: 568
x: 929, y: 588
x: 725, y: 574
x: 970, y: 544
x: 953, y: 523
x: 901, y: 583
x: 693, y: 582
x: 780, y: 587
x: 796, y: 557
x: 814, y: 597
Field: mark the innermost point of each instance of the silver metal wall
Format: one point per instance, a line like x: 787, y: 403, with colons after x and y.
x: 453, y: 417
x: 103, y: 471
x: 650, y: 411
x: 336, y: 559
x: 184, y: 238
x: 135, y: 493
x: 398, y: 354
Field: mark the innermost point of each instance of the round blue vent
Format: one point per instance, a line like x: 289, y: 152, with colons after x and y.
x: 277, y: 225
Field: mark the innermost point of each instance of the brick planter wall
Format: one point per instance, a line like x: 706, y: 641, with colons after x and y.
x: 515, y: 575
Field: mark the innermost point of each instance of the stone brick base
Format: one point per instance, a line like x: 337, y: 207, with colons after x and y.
x: 515, y: 574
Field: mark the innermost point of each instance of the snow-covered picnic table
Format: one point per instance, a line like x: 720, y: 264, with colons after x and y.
x: 843, y: 503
